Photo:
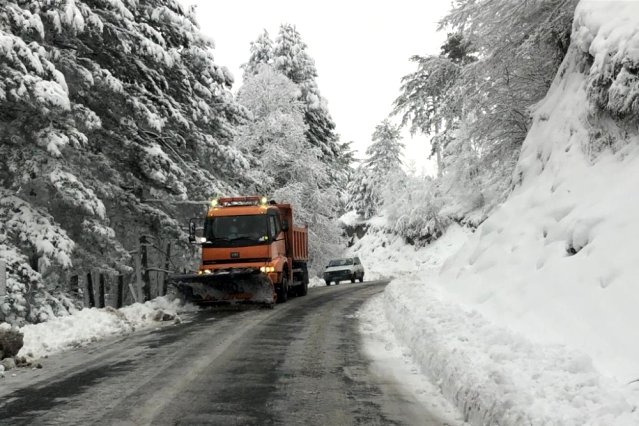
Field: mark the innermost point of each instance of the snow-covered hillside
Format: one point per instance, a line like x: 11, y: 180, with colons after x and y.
x: 557, y: 261
x: 532, y: 320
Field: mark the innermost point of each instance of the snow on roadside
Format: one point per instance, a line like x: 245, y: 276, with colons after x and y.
x: 533, y: 320
x: 491, y: 374
x: 316, y: 282
x: 391, y: 358
x: 385, y: 255
x: 93, y: 324
x: 495, y: 376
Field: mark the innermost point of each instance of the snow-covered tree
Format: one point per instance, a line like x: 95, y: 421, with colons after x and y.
x: 261, y: 54
x: 520, y: 46
x: 291, y: 58
x: 284, y: 164
x: 384, y: 154
x: 473, y: 99
x: 382, y: 164
x: 429, y: 99
x: 103, y: 105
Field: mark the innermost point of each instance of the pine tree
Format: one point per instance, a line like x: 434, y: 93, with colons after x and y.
x: 261, y: 54
x: 383, y: 162
x: 292, y: 59
x: 103, y: 105
x: 384, y: 154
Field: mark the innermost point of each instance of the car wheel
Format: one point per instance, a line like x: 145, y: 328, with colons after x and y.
x: 361, y: 278
x: 336, y: 282
x: 328, y: 282
x: 352, y: 278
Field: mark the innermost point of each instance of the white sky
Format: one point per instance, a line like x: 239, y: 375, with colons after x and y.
x: 361, y: 51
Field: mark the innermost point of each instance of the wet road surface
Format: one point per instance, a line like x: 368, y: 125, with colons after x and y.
x: 300, y: 363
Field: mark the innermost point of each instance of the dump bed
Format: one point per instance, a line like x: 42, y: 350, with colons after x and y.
x: 299, y: 244
x: 296, y: 237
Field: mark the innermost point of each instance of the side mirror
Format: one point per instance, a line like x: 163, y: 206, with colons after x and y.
x: 285, y: 225
x: 193, y: 230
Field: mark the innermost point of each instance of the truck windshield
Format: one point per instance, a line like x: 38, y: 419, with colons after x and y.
x: 222, y: 231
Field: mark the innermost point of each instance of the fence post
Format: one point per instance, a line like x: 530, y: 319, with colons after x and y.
x: 3, y: 278
x: 146, y: 277
x: 90, y: 291
x: 101, y: 292
x: 167, y: 264
x: 120, y: 291
x: 74, y: 285
x: 138, y: 278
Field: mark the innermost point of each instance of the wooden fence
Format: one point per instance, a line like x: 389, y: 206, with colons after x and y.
x: 98, y: 289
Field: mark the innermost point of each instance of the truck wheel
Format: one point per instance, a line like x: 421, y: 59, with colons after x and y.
x: 282, y: 291
x: 302, y: 290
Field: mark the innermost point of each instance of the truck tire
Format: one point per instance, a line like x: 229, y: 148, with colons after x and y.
x: 303, y: 289
x: 282, y: 290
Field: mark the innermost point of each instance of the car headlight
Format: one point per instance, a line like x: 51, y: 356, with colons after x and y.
x: 267, y: 269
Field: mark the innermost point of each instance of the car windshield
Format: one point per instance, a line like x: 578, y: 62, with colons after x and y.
x: 341, y: 262
x: 235, y: 230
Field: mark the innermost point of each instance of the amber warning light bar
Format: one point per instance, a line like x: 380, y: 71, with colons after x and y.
x: 239, y: 201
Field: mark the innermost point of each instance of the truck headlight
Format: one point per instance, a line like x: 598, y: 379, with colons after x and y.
x: 267, y: 269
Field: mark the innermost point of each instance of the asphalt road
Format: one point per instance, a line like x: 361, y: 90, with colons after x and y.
x: 299, y: 363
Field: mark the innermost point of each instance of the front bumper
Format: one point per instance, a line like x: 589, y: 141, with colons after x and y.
x: 335, y: 275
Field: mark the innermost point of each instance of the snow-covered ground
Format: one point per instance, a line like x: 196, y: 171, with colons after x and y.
x: 392, y: 359
x: 532, y: 319
x: 492, y: 374
x: 89, y: 325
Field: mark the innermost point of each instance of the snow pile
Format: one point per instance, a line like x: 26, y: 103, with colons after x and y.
x: 495, y: 376
x: 492, y: 374
x: 316, y: 282
x: 90, y: 325
x: 386, y: 255
x: 392, y: 359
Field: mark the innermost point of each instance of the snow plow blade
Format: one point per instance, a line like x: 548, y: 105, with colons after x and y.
x: 245, y: 286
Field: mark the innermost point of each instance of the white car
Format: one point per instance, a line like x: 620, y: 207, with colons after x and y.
x: 344, y: 269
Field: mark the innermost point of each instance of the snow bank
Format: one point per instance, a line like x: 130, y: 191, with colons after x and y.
x: 492, y: 374
x: 90, y: 325
x: 385, y: 255
x: 316, y: 282
x: 391, y: 359
x: 533, y: 320
x: 495, y: 376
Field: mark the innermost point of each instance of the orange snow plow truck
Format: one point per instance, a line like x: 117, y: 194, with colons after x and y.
x: 251, y: 253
